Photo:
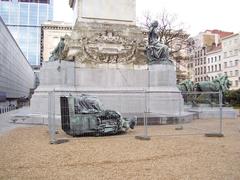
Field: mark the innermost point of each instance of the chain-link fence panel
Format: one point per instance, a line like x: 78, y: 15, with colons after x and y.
x: 140, y: 114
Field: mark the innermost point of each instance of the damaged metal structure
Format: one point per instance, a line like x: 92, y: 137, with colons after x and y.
x: 85, y: 115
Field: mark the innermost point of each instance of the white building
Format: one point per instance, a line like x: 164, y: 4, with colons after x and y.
x: 214, y: 63
x: 206, y: 45
x: 16, y: 75
x: 231, y: 59
x: 200, y: 63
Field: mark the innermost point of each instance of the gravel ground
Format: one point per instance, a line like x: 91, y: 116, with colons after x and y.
x: 26, y: 154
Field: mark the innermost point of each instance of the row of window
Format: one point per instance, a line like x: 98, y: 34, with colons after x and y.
x: 32, y: 1
x: 200, y: 61
x: 214, y: 59
x: 200, y: 53
x: 231, y: 53
x: 25, y: 14
x: 230, y: 74
x: 215, y: 68
x: 230, y: 42
x: 200, y: 70
x: 231, y: 63
x: 201, y: 79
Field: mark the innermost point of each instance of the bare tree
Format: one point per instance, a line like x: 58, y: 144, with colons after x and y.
x: 173, y: 34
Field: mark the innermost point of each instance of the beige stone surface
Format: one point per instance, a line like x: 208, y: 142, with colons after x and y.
x: 106, y: 11
x: 51, y: 34
x: 26, y: 154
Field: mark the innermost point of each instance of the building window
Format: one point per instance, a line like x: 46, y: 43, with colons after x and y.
x: 212, y: 68
x: 14, y: 17
x: 208, y: 60
x: 236, y: 62
x: 215, y: 67
x: 205, y: 60
x: 33, y: 14
x: 215, y: 58
x: 219, y: 57
x: 225, y: 54
x: 24, y: 14
x: 205, y: 69
x: 225, y: 64
x: 208, y: 68
x: 211, y: 59
x: 4, y: 10
x: 236, y: 83
x: 235, y: 52
x: 42, y: 13
x: 236, y: 72
x: 220, y: 68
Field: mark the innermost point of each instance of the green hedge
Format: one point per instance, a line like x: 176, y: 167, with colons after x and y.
x: 233, y: 97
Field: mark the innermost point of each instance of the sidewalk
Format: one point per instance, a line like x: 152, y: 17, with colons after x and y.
x: 5, y: 120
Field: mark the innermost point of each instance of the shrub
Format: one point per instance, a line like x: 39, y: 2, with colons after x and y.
x: 233, y: 97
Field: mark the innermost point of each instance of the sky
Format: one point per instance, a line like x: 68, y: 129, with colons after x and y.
x: 196, y: 15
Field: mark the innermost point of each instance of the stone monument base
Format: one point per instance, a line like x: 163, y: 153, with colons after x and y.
x: 129, y: 89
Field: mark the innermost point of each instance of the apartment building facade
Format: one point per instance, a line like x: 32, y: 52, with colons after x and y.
x: 214, y: 63
x: 206, y: 57
x: 231, y: 59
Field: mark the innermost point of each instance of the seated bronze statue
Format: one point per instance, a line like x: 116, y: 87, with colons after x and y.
x: 157, y: 53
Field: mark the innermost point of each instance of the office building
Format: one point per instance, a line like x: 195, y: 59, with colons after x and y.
x: 17, y: 78
x: 24, y: 18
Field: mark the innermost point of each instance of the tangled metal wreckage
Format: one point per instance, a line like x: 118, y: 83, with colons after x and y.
x: 85, y: 115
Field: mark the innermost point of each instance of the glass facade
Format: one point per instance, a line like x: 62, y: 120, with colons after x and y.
x: 23, y: 18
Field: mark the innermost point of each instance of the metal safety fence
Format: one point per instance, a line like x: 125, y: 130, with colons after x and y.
x: 141, y: 114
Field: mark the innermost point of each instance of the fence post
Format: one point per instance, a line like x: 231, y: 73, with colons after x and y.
x: 146, y: 110
x: 51, y: 117
x: 145, y: 115
x: 220, y: 109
